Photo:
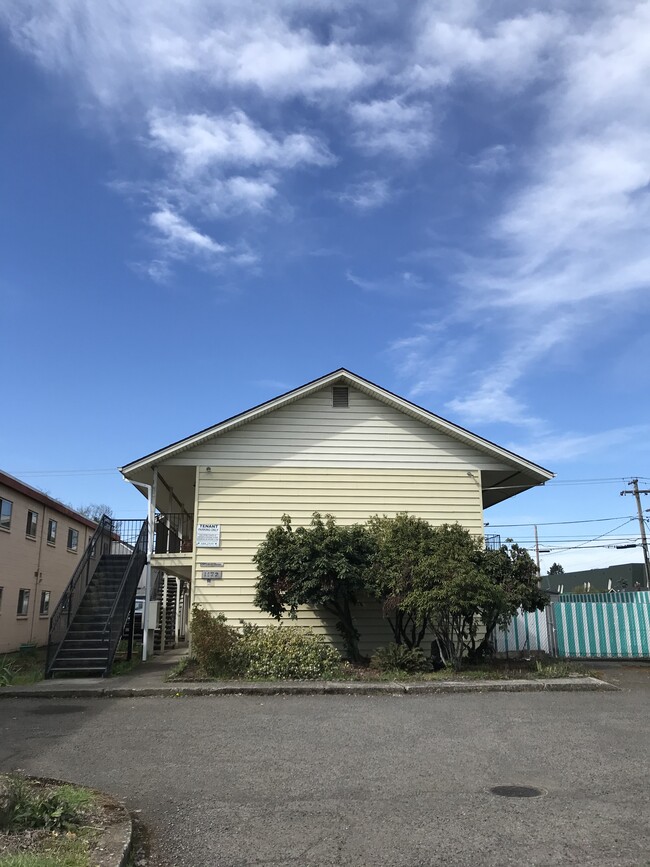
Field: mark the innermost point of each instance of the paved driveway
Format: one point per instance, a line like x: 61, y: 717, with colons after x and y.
x: 377, y: 780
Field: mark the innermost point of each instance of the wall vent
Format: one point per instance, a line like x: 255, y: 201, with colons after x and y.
x: 340, y: 395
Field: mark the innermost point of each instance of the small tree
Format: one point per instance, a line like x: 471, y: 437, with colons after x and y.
x: 514, y: 572
x: 453, y: 591
x: 556, y: 569
x: 402, y: 548
x: 321, y: 565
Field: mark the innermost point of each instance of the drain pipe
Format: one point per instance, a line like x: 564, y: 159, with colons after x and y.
x: 151, y: 512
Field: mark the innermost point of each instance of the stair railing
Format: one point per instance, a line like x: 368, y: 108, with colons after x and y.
x: 121, y: 607
x: 73, y: 594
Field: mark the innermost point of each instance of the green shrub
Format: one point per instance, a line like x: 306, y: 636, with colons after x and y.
x: 213, y: 642
x: 398, y: 657
x: 286, y: 653
x: 26, y: 806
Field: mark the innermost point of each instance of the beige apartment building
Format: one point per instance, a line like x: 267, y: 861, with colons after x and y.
x: 339, y: 445
x: 41, y: 541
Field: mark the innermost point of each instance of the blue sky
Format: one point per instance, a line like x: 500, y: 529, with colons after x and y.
x: 205, y: 204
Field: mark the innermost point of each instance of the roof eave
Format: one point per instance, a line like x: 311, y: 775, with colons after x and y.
x: 383, y: 394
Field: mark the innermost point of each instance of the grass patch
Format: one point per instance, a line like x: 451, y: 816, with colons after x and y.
x: 185, y: 664
x: 52, y: 851
x: 45, y: 824
x: 21, y: 668
x: 122, y: 665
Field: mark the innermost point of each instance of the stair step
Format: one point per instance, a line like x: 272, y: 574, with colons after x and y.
x: 94, y: 649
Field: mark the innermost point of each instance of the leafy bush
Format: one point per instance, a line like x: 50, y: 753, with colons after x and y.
x: 213, y: 642
x: 285, y: 652
x: 26, y: 806
x: 398, y: 657
x: 322, y: 565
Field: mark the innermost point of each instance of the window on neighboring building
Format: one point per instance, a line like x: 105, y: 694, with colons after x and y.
x: 23, y: 603
x: 32, y: 523
x: 6, y: 507
x: 51, y: 531
x: 73, y: 539
x: 45, y: 603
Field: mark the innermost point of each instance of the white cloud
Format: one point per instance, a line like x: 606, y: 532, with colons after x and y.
x: 570, y: 239
x: 366, y: 195
x: 558, y: 447
x: 491, y: 160
x: 199, y: 142
x: 462, y: 39
x: 127, y: 51
x: 394, y: 284
x: 178, y: 240
x: 180, y: 236
x: 392, y: 126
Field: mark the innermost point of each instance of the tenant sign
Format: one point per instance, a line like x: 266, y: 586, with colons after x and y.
x: 208, y: 535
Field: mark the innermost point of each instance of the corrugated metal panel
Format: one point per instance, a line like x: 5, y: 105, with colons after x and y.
x: 617, y: 630
x: 247, y: 501
x: 528, y: 631
x: 604, y: 598
x: 312, y: 433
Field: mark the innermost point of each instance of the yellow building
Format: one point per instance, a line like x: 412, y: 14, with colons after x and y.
x: 340, y: 445
x: 41, y: 541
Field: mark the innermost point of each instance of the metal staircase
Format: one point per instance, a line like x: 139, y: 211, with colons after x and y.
x: 87, y: 624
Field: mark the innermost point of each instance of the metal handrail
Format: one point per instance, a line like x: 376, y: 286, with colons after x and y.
x: 173, y: 533
x: 126, y: 591
x: 71, y: 598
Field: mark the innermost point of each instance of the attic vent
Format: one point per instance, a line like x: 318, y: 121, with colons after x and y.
x: 339, y: 395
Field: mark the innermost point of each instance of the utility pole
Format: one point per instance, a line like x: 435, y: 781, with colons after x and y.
x: 644, y: 542
x: 539, y: 571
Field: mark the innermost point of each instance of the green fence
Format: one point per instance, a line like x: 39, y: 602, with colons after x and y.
x: 603, y: 629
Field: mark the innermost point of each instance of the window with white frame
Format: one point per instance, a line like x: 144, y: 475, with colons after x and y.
x: 6, y: 508
x: 22, y: 609
x: 32, y: 523
x: 73, y: 539
x: 45, y: 603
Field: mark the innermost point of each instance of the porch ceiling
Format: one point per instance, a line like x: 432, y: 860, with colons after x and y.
x: 175, y: 492
x: 499, y: 485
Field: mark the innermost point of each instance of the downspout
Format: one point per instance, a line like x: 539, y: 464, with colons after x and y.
x: 151, y: 512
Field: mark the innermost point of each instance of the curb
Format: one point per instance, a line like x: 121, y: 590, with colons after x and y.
x: 559, y: 684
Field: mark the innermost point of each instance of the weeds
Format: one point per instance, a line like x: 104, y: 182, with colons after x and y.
x: 179, y: 668
x: 26, y: 806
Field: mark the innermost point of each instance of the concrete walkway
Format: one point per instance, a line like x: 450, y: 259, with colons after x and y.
x: 149, y: 679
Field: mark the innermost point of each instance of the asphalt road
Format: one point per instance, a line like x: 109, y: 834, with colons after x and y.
x: 376, y: 780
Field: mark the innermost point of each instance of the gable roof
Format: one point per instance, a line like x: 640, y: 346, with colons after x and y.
x: 346, y: 376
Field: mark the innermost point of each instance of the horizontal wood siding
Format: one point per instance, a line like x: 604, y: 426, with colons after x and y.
x: 247, y: 501
x: 313, y: 433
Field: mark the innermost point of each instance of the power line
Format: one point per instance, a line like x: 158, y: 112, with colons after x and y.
x: 98, y: 472
x: 557, y: 523
x: 595, y: 539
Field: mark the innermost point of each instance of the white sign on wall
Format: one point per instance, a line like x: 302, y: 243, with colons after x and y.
x: 208, y: 535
